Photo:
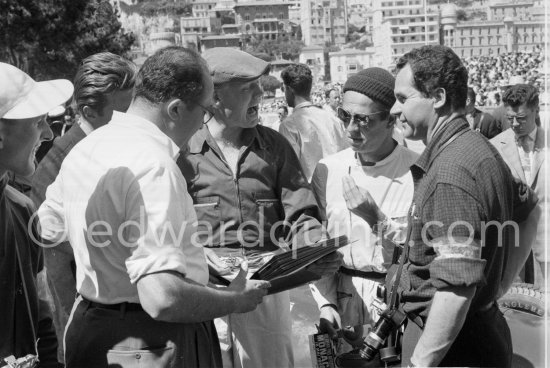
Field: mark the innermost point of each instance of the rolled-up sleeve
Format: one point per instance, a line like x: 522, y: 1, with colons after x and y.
x: 455, y: 236
x: 155, y: 200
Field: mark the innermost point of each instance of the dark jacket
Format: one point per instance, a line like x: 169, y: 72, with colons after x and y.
x: 16, y: 228
x: 486, y: 124
x: 47, y: 170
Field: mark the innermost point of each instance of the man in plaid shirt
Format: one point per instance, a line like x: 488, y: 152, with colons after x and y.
x: 457, y: 259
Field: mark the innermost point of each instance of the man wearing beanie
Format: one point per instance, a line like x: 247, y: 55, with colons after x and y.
x: 245, y: 181
x: 373, y: 172
x: 313, y: 132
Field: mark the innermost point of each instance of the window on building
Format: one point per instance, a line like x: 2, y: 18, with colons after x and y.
x: 352, y: 67
x: 432, y: 37
x: 340, y: 68
x: 281, y: 15
x: 247, y: 17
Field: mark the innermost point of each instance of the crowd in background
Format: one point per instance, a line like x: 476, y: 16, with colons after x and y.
x: 488, y: 75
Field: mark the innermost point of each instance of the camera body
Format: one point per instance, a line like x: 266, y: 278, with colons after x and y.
x: 28, y: 361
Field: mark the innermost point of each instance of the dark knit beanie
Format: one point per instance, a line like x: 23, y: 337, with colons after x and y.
x: 375, y: 83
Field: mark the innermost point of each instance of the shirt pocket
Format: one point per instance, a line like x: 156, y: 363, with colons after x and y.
x: 270, y: 210
x: 208, y: 217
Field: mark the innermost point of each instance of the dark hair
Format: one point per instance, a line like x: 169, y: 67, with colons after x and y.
x: 519, y: 94
x: 471, y: 94
x: 283, y: 107
x: 298, y: 77
x: 327, y: 92
x: 436, y: 66
x: 99, y: 75
x: 171, y: 72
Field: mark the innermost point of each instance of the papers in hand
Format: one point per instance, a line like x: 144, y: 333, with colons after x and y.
x: 288, y: 270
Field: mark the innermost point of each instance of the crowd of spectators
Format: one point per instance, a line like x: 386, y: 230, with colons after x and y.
x: 488, y: 75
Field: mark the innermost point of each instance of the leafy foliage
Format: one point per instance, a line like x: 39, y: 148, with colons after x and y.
x: 282, y: 48
x: 48, y: 38
x: 269, y: 83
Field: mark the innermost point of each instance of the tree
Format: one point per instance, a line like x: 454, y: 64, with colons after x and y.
x: 461, y: 15
x: 49, y: 38
x: 283, y: 47
x: 270, y: 83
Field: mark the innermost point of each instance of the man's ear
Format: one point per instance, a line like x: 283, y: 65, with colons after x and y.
x: 440, y: 97
x: 175, y: 109
x: 89, y: 113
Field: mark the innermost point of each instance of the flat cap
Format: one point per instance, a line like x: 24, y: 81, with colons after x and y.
x: 232, y: 65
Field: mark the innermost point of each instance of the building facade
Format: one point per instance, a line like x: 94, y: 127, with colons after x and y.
x: 404, y: 25
x: 324, y: 21
x: 349, y: 61
x: 264, y: 20
x: 314, y: 57
x: 503, y: 32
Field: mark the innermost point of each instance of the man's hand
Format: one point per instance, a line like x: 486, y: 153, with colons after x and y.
x: 326, y: 266
x: 360, y: 202
x: 249, y: 293
x: 330, y: 322
x: 216, y: 266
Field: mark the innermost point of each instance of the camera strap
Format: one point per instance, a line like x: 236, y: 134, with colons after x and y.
x: 25, y: 291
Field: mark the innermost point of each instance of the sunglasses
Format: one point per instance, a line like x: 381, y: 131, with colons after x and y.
x: 363, y: 120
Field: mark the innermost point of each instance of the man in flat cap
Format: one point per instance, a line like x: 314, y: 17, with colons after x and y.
x: 25, y: 323
x: 364, y: 192
x: 312, y: 131
x: 142, y: 282
x: 251, y: 198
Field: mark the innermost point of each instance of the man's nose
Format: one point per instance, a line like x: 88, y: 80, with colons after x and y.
x: 396, y: 108
x: 46, y: 134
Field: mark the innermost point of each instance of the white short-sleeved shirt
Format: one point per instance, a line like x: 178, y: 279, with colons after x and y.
x: 122, y: 203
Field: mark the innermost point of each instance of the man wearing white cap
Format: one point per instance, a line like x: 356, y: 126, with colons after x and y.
x: 25, y: 324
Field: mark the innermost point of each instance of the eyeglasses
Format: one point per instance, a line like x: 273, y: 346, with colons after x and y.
x: 206, y: 111
x: 363, y: 120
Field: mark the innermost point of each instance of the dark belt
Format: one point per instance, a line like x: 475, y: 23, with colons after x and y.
x: 369, y: 275
x: 122, y: 307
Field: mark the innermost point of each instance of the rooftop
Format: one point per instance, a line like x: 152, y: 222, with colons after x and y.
x: 262, y: 3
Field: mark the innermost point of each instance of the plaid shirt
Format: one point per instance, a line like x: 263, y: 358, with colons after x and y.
x: 461, y: 183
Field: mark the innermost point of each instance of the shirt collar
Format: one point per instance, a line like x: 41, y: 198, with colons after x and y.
x: 203, y: 136
x: 3, y: 182
x: 445, y: 131
x: 86, y: 127
x: 137, y: 122
x: 303, y: 104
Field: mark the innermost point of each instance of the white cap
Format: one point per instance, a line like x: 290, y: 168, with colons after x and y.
x: 516, y: 79
x: 21, y: 97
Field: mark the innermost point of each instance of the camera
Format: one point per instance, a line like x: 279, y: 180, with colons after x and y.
x: 389, y: 322
x: 28, y: 361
